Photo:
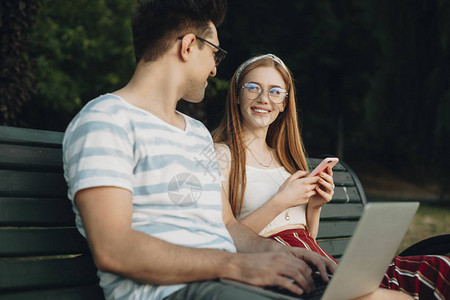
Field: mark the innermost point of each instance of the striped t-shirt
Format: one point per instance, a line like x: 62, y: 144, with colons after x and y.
x: 173, y: 175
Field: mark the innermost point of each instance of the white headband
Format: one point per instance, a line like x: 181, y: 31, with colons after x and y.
x: 253, y: 59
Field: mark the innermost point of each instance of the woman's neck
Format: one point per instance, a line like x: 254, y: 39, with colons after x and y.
x: 258, y: 152
x: 256, y: 142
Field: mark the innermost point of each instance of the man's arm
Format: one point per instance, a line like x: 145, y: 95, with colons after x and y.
x: 106, y: 213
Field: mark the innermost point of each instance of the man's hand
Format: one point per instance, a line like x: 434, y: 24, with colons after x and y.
x: 324, y: 265
x: 274, y: 269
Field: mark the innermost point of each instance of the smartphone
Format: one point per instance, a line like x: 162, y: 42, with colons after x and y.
x: 327, y: 162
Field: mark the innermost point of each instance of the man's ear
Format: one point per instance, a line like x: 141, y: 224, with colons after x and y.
x: 187, y: 42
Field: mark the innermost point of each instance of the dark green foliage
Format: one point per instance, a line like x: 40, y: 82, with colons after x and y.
x: 17, y: 80
x: 372, y: 77
x: 82, y: 49
x: 408, y: 104
x: 329, y: 47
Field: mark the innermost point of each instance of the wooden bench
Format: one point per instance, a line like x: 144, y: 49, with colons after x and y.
x: 42, y: 255
x: 338, y: 219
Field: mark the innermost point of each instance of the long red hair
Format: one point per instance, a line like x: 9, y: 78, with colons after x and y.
x: 283, y: 134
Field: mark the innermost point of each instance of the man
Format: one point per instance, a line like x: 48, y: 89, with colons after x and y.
x: 154, y: 219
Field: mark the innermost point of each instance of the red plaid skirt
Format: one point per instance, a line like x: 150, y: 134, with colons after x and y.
x: 422, y: 277
x: 300, y: 238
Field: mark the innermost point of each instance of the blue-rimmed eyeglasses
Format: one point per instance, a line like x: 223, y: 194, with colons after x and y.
x: 218, y: 56
x: 253, y: 91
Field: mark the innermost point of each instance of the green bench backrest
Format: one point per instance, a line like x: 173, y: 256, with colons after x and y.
x: 338, y: 219
x: 42, y: 255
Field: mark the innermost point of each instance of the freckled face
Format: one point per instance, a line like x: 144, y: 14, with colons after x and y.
x: 261, y: 112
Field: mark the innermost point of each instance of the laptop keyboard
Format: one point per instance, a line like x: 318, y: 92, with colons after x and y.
x: 316, y: 294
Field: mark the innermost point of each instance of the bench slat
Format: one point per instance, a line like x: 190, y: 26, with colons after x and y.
x: 41, y: 241
x: 349, y: 211
x: 31, y: 136
x: 36, y: 212
x: 346, y: 194
x: 27, y: 157
x: 335, y: 248
x: 28, y: 274
x: 343, y: 179
x: 32, y: 184
x: 93, y: 292
x: 336, y: 229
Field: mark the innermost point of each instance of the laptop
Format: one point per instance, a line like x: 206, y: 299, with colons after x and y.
x: 368, y: 254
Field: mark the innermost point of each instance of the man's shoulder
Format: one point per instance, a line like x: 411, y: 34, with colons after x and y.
x: 106, y: 113
x: 107, y: 104
x: 106, y: 109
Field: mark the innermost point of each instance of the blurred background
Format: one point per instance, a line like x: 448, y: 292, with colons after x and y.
x: 372, y: 79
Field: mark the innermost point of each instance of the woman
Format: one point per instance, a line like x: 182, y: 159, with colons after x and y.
x: 262, y: 157
x: 252, y: 122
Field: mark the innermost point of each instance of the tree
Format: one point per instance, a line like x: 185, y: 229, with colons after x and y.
x: 81, y: 48
x: 409, y: 102
x: 371, y: 73
x: 17, y: 81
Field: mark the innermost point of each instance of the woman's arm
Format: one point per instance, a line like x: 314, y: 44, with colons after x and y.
x: 257, y: 220
x: 296, y: 190
x: 264, y: 214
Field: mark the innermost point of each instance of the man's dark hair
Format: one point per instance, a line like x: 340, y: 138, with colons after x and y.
x: 158, y: 23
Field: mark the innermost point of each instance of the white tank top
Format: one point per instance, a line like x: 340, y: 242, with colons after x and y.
x: 262, y: 184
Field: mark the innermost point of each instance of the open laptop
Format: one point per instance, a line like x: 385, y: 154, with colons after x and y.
x: 368, y: 254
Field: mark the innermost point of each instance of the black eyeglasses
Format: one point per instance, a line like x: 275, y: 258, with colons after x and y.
x: 218, y: 56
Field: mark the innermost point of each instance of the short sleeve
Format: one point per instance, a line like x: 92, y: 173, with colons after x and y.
x: 97, y: 151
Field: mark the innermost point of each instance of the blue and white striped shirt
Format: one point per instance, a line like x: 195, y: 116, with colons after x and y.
x: 173, y: 175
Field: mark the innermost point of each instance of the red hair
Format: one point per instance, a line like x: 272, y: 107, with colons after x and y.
x: 283, y: 134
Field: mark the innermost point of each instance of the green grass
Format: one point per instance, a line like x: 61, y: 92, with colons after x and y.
x: 381, y: 184
x: 430, y: 220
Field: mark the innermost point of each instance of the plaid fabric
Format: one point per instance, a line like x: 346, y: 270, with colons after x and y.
x: 300, y: 238
x: 422, y: 277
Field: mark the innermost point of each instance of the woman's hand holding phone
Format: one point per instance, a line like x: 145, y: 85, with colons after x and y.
x: 325, y: 189
x: 301, y: 188
x: 297, y: 189
x: 328, y: 162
